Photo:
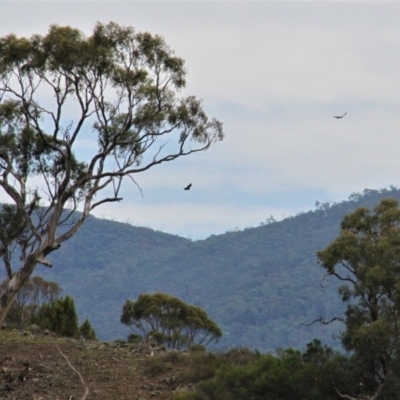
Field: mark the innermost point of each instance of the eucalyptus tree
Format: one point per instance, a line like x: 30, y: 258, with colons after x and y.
x: 366, y: 258
x: 78, y: 114
x: 35, y: 293
x: 170, y: 321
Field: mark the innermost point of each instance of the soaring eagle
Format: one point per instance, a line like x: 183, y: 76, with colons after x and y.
x: 340, y: 116
x: 188, y: 187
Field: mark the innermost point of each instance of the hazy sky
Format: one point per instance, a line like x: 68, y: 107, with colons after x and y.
x: 275, y: 73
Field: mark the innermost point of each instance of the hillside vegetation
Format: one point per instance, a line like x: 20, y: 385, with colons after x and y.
x: 259, y: 285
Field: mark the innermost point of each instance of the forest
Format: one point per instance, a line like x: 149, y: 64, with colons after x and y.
x: 261, y: 285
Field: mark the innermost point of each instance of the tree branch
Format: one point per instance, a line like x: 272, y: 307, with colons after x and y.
x: 345, y: 396
x: 372, y: 397
x: 106, y: 200
x: 86, y: 393
x: 322, y: 321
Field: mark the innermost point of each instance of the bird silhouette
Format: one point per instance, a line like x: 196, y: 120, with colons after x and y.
x: 188, y: 187
x: 340, y: 116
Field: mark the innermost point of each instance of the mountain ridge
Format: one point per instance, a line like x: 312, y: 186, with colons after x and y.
x: 259, y: 284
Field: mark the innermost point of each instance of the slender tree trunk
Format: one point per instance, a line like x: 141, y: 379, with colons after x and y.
x: 9, y: 293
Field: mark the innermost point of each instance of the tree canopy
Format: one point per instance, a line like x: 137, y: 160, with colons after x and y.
x: 170, y: 321
x: 117, y: 89
x: 366, y: 258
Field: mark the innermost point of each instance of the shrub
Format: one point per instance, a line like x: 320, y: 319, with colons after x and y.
x: 86, y: 331
x: 59, y: 317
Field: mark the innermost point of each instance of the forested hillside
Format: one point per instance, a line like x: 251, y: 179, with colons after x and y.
x: 259, y: 285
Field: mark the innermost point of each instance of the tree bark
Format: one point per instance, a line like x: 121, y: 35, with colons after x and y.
x: 14, y: 284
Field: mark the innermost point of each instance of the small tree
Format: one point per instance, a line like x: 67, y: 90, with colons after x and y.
x: 59, y: 317
x: 116, y: 86
x: 170, y: 321
x: 366, y: 258
x: 34, y: 294
x: 86, y: 331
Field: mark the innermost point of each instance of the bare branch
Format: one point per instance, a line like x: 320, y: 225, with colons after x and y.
x: 372, y: 397
x: 322, y: 321
x: 341, y: 278
x: 137, y: 185
x: 86, y: 393
x: 106, y: 200
x: 345, y: 396
x: 44, y: 262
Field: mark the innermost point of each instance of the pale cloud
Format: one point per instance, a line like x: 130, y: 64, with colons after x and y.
x: 275, y: 73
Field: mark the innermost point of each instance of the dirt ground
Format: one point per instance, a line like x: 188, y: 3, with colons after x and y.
x: 44, y: 367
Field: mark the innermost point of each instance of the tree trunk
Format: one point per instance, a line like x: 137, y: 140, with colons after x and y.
x: 14, y: 284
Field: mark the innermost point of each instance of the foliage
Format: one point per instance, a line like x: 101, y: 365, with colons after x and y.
x: 34, y: 294
x: 59, y: 317
x: 312, y: 375
x: 120, y: 84
x: 86, y: 331
x: 365, y: 257
x: 186, y: 395
x: 170, y: 321
x: 134, y: 338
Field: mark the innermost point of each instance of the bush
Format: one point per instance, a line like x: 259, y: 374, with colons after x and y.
x: 312, y: 375
x: 197, y: 347
x: 133, y: 338
x: 59, y: 317
x: 86, y: 331
x: 186, y: 395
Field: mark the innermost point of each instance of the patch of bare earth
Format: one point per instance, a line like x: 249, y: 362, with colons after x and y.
x: 36, y: 367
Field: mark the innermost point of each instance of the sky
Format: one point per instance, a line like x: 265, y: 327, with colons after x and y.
x: 275, y: 73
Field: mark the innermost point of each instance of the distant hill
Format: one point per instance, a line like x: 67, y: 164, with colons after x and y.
x: 259, y: 284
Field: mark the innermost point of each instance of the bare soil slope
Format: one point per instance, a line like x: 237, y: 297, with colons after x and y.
x: 41, y: 367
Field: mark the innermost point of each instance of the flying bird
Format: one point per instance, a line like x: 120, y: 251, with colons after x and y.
x: 340, y: 116
x: 188, y: 187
